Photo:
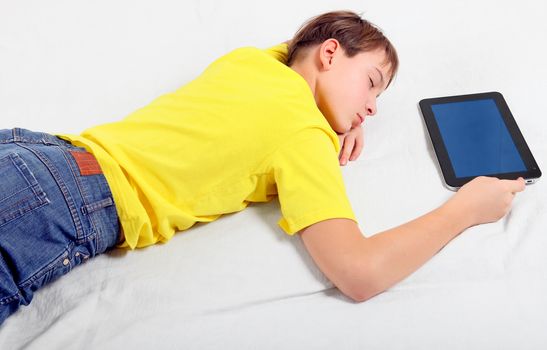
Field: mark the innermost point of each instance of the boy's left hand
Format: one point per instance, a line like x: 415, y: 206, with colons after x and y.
x: 351, y: 144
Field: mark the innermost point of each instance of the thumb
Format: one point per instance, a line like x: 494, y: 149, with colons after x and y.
x: 517, y: 185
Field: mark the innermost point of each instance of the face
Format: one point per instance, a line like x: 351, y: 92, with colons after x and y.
x: 347, y: 88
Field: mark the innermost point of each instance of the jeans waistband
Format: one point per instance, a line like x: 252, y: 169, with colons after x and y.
x: 29, y: 136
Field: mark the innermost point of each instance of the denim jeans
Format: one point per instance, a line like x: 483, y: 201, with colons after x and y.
x: 56, y: 212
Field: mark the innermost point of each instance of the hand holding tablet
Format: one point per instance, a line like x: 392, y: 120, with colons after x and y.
x: 476, y: 135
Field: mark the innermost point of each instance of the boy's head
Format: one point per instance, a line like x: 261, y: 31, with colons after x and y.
x: 347, y: 62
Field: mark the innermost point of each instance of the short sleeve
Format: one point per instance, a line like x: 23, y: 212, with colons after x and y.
x: 309, y: 182
x: 279, y: 52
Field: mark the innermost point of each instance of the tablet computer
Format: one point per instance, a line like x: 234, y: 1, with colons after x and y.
x: 475, y: 135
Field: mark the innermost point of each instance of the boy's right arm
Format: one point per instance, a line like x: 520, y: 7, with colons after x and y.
x: 363, y: 267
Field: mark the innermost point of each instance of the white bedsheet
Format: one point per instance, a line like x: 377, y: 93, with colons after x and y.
x: 240, y: 282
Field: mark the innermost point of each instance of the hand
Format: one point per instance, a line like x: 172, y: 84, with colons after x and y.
x: 486, y: 199
x: 351, y: 144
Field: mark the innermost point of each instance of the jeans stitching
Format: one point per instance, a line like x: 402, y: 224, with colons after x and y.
x: 80, y: 234
x: 17, y: 163
x: 78, y: 179
x: 28, y: 203
x: 10, y: 299
x: 91, y: 207
x: 97, y: 205
x: 22, y: 168
x: 46, y: 139
x: 17, y: 193
x: 4, y: 219
x: 94, y: 242
x: 49, y: 268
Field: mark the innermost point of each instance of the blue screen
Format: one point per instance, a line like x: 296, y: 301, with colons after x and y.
x: 476, y: 138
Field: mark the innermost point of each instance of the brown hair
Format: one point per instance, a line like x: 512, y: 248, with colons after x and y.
x: 354, y: 34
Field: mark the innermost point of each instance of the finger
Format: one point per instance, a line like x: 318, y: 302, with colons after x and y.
x: 348, y: 146
x: 341, y: 138
x: 341, y: 155
x: 357, y: 148
x: 515, y: 186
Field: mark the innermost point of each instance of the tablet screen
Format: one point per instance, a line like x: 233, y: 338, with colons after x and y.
x: 476, y: 138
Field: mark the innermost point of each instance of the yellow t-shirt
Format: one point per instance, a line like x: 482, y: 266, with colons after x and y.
x: 247, y: 129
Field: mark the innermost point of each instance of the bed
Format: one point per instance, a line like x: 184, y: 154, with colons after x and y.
x: 240, y: 282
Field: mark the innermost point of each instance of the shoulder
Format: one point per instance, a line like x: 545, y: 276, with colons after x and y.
x: 280, y: 52
x: 274, y: 54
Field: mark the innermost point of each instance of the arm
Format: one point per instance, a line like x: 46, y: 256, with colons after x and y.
x: 363, y: 267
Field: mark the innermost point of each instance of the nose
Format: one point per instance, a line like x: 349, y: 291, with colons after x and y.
x: 371, y: 107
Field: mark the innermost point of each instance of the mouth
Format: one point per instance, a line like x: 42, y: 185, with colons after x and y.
x: 361, y: 119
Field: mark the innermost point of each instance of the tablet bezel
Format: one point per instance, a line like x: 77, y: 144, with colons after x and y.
x: 530, y: 175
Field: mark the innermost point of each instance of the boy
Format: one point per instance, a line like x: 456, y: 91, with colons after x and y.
x: 254, y: 125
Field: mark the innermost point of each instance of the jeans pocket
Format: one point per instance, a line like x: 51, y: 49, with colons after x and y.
x: 20, y: 192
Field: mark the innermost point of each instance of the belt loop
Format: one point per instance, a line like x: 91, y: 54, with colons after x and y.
x: 16, y: 132
x: 103, y: 203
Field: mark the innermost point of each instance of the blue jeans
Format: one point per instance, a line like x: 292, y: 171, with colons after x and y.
x: 56, y: 212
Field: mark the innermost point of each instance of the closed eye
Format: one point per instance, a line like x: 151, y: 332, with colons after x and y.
x: 371, y: 82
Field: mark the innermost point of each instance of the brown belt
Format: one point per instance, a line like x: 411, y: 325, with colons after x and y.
x: 121, y: 237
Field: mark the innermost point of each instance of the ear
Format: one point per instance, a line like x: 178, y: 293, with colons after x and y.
x: 328, y: 51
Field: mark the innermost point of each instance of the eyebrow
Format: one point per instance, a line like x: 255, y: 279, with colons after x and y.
x: 381, y: 75
x: 381, y: 79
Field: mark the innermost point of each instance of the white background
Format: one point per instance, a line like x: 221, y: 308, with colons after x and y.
x: 239, y: 282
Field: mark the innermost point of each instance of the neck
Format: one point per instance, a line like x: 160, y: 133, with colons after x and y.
x: 307, y: 72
